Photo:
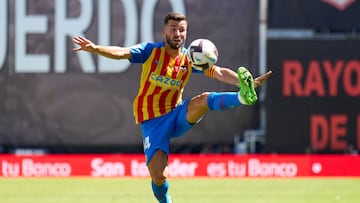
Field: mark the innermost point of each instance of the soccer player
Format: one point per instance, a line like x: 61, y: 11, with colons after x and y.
x: 158, y: 106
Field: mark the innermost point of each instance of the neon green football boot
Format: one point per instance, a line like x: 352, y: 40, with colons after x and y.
x: 247, y: 93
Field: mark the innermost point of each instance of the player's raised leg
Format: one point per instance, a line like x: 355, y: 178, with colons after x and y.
x: 200, y: 104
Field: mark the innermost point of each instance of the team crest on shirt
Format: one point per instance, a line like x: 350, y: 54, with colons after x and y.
x: 180, y: 68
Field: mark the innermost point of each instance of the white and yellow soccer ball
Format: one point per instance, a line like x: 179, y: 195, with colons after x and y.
x: 202, y: 53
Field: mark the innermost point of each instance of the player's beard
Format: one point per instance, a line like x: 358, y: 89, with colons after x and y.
x: 173, y: 44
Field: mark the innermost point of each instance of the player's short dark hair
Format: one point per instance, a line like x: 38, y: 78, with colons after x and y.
x: 174, y: 16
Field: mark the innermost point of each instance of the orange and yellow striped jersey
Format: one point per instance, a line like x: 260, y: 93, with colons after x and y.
x: 162, y: 80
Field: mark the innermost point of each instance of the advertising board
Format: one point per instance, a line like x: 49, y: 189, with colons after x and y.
x: 180, y: 166
x: 313, y: 98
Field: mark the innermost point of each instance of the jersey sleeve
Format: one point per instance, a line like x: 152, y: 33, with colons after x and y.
x: 210, y: 72
x: 141, y: 52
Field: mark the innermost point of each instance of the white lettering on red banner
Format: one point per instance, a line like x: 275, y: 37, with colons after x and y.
x: 216, y: 166
x: 102, y: 168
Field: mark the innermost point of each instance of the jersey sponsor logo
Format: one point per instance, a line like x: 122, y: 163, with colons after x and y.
x: 164, y: 81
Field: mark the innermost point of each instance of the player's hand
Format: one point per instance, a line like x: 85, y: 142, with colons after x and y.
x: 261, y: 79
x: 85, y: 44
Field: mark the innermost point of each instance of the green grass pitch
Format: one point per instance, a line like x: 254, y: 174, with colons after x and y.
x: 187, y: 190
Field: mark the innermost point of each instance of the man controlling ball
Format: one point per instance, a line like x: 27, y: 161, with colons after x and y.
x: 158, y: 106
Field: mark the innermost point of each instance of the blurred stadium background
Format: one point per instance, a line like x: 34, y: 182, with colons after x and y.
x: 55, y: 101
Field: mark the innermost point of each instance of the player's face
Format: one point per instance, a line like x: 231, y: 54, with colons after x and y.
x: 175, y: 33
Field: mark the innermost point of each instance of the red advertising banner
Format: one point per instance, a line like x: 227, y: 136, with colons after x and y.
x: 217, y: 166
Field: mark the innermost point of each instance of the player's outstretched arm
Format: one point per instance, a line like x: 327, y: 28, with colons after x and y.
x: 226, y: 75
x: 114, y: 52
x: 229, y: 76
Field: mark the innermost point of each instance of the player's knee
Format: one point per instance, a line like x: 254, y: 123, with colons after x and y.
x: 204, y: 97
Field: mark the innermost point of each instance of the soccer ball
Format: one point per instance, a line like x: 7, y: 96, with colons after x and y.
x: 202, y: 53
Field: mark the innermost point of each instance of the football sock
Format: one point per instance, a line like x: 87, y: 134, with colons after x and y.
x: 161, y: 191
x: 223, y: 100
